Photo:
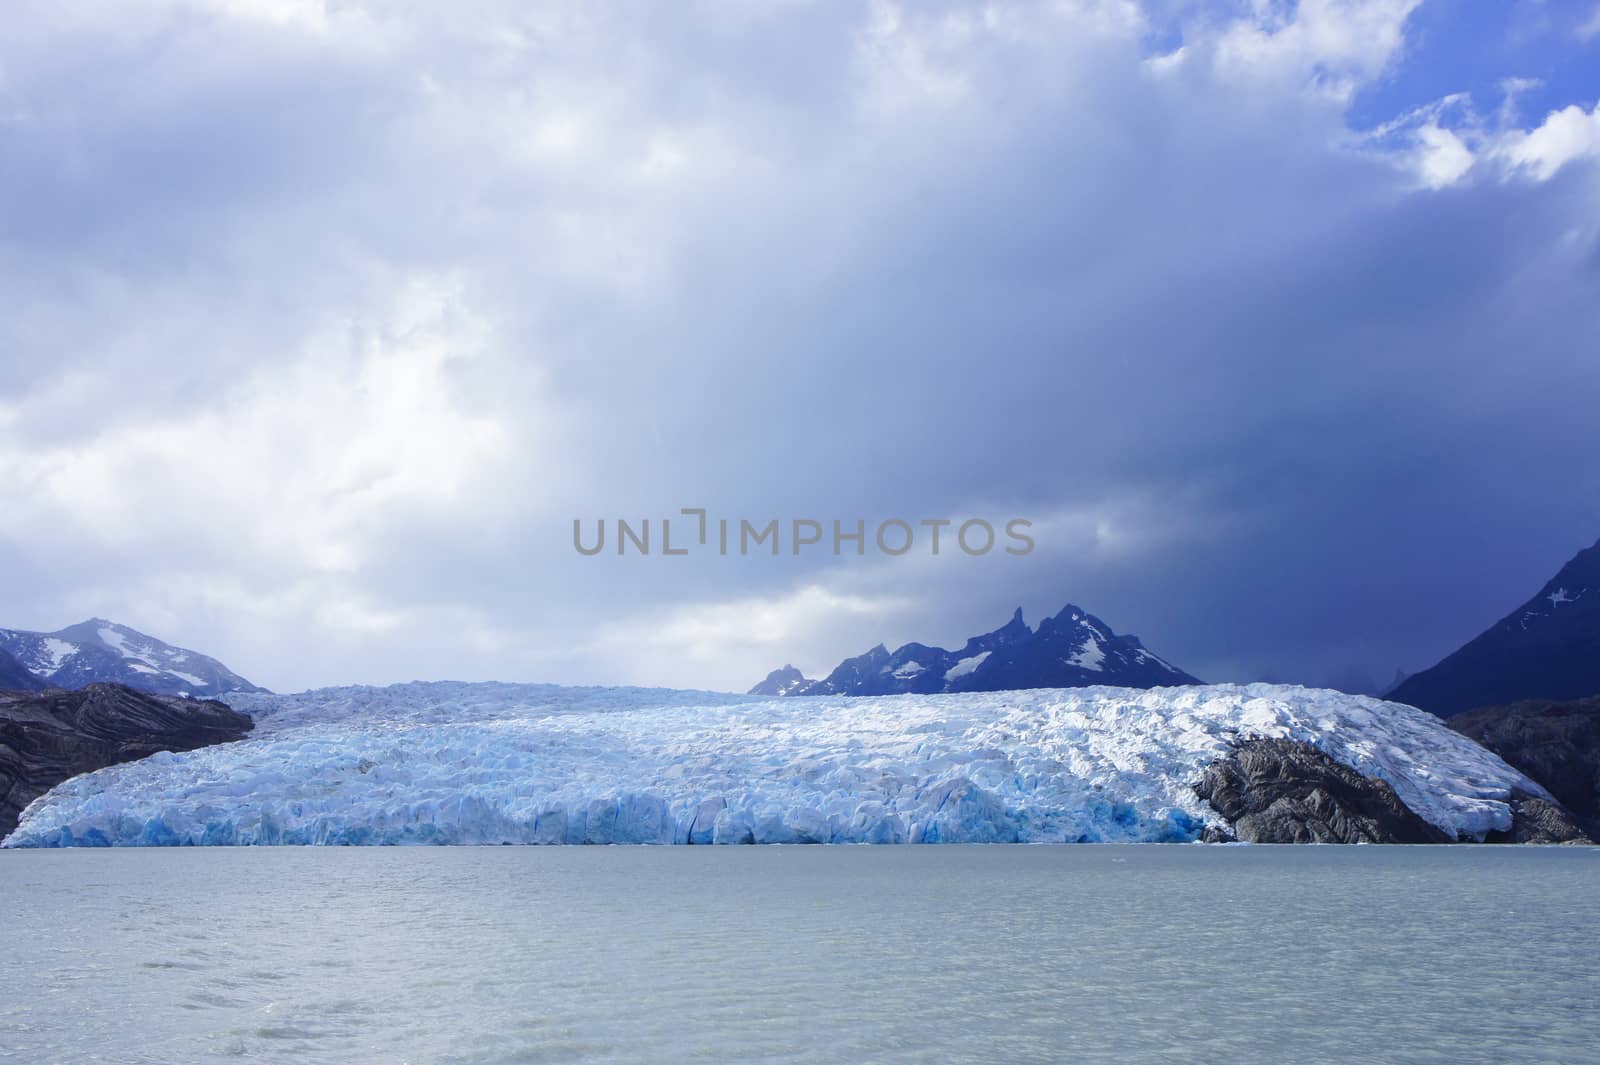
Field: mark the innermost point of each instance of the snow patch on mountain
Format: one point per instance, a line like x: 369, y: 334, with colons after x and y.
x: 474, y: 763
x: 966, y: 665
x: 117, y: 642
x: 1090, y: 656
x: 53, y: 653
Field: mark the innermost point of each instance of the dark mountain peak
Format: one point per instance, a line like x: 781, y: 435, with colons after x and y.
x: 87, y: 630
x: 1580, y: 574
x: 1072, y: 649
x: 1014, y: 631
x: 1073, y: 624
x: 1548, y: 648
x: 783, y: 681
x: 1072, y: 617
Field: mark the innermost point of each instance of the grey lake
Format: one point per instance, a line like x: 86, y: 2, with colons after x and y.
x: 1128, y: 954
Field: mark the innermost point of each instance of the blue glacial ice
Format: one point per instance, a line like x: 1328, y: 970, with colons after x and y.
x: 503, y: 763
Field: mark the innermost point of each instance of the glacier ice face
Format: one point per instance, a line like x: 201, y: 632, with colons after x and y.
x: 503, y: 763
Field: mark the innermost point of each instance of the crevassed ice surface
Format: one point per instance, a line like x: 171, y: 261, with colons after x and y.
x: 502, y: 763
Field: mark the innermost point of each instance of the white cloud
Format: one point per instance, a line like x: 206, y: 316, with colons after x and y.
x: 1444, y: 141
x: 312, y: 14
x: 300, y: 463
x: 1565, y: 136
x: 715, y: 644
x: 1334, y: 46
x: 1589, y: 29
x: 1443, y: 157
x: 905, y: 67
x: 915, y: 57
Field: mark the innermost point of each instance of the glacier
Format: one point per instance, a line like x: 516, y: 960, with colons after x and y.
x: 468, y: 763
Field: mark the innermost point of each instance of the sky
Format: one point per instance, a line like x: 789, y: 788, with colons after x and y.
x: 323, y: 322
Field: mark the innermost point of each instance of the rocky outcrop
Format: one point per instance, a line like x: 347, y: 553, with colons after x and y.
x: 50, y: 736
x: 1555, y: 743
x: 1289, y: 791
x: 1536, y: 820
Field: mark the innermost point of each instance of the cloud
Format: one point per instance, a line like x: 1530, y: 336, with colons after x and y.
x: 691, y: 644
x: 1332, y: 46
x: 327, y: 320
x: 1444, y: 141
x: 1443, y: 158
x: 295, y: 463
x: 1565, y: 136
x: 1589, y: 29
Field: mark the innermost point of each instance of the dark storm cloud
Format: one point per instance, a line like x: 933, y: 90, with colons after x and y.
x: 335, y: 319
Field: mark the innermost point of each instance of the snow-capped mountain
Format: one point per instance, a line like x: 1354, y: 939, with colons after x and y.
x: 1548, y: 648
x: 1074, y: 649
x: 472, y: 763
x: 15, y: 677
x: 100, y: 650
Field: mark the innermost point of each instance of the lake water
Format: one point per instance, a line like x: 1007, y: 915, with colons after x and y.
x: 854, y: 955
